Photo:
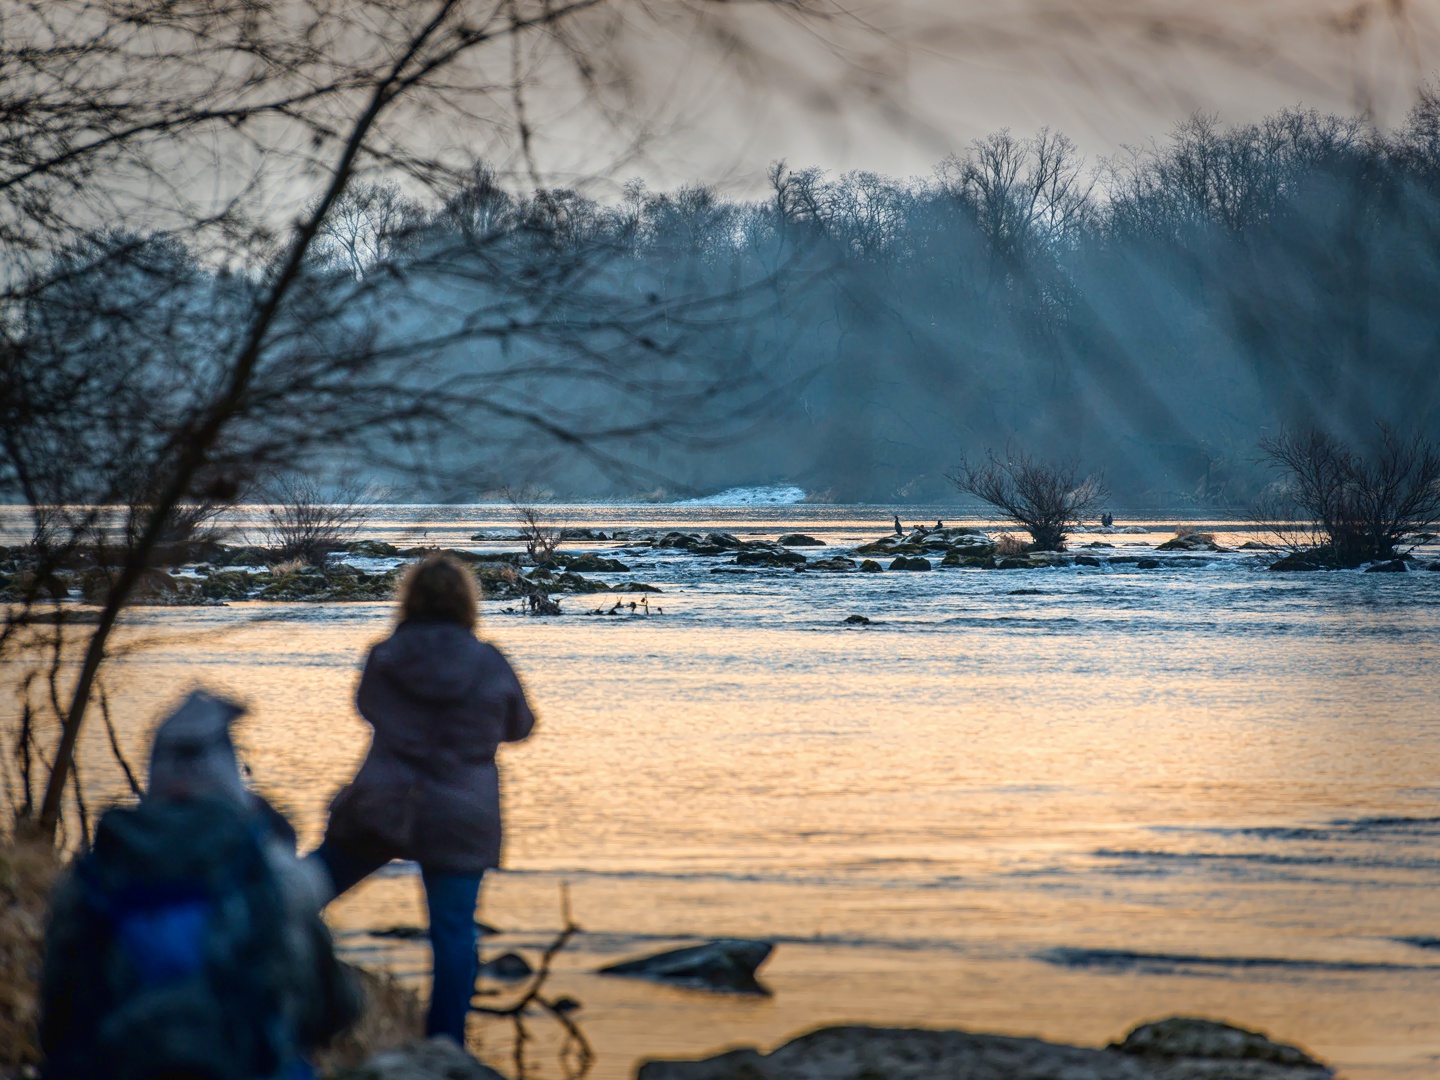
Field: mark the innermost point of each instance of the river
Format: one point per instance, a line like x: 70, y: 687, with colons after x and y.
x: 1054, y: 802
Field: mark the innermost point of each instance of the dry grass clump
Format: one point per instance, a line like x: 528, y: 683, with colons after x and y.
x: 1009, y: 546
x: 1186, y: 532
x: 289, y: 566
x: 392, y: 1017
x: 28, y: 869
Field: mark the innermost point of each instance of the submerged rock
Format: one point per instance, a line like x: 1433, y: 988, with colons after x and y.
x: 870, y: 566
x: 726, y: 964
x: 838, y: 562
x: 1086, y: 560
x: 1392, y: 566
x: 857, y: 620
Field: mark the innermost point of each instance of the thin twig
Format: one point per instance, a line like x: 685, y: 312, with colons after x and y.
x: 135, y: 788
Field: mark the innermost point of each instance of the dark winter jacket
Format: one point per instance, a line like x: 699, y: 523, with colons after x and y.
x: 440, y: 701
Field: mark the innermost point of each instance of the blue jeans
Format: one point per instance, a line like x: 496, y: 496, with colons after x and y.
x: 450, y: 899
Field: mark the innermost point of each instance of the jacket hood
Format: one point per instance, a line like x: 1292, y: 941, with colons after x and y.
x: 431, y: 661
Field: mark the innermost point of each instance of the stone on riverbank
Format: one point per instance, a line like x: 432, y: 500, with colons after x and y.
x: 726, y: 964
x: 1177, y: 1049
x: 1182, y: 1048
x: 437, y: 1058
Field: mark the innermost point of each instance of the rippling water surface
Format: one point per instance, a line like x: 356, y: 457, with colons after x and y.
x: 1055, y: 802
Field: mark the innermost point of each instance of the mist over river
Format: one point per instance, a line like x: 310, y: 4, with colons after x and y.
x: 1055, y: 802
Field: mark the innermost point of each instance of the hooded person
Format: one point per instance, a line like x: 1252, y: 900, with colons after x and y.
x: 187, y: 941
x: 440, y: 702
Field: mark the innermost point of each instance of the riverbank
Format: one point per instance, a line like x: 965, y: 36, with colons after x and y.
x: 382, y: 1045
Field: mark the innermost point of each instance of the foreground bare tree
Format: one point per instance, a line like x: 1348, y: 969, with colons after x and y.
x: 210, y: 273
x: 1042, y: 497
x: 1345, y: 507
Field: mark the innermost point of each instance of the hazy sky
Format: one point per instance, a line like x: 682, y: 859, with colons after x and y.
x: 904, y: 82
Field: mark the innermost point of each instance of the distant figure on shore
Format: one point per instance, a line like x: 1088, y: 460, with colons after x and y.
x: 1107, y: 520
x: 899, y: 529
x: 441, y: 701
x: 939, y: 524
x: 187, y: 942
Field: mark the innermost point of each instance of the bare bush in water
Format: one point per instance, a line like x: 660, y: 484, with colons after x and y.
x: 307, y: 522
x: 1044, y: 498
x: 1349, y: 506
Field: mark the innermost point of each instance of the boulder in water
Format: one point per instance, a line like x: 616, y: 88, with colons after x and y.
x: 800, y: 540
x: 590, y: 563
x: 1195, y: 541
x: 725, y: 964
x: 372, y: 549
x: 1391, y: 566
x: 507, y: 967
x: 870, y: 566
x: 856, y: 620
x: 766, y: 557
x: 910, y: 563
x: 1300, y: 560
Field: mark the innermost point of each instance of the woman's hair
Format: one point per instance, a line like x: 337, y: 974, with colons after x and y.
x: 439, y: 588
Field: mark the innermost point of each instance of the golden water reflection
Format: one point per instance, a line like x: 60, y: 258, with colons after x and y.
x: 924, y: 810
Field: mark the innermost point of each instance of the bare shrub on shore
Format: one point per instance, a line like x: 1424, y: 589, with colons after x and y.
x: 1044, y: 498
x: 1348, y: 506
x: 28, y: 868
x: 1008, y: 545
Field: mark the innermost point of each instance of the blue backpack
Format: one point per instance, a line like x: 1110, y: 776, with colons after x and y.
x: 167, y: 956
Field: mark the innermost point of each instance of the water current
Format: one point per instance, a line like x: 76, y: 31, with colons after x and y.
x: 1056, y: 802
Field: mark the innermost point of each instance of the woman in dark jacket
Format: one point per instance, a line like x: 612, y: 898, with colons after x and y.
x: 440, y: 702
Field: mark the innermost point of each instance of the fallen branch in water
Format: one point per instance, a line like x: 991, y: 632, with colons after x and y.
x: 576, y: 1054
